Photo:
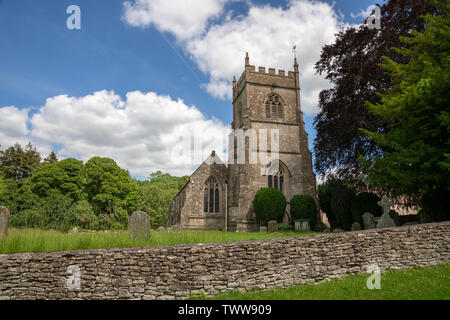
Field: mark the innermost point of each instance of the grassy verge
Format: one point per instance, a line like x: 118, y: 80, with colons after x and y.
x: 432, y: 283
x: 31, y: 240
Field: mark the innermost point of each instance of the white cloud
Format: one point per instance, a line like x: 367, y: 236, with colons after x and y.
x: 183, y: 18
x: 13, y: 126
x: 266, y: 32
x: 143, y: 132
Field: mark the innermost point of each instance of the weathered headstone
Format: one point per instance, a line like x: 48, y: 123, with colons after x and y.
x: 272, y: 226
x: 139, y: 225
x: 337, y: 230
x: 4, y: 219
x: 161, y: 228
x: 386, y: 220
x: 368, y: 221
x: 263, y: 229
x: 302, y: 225
x: 356, y: 226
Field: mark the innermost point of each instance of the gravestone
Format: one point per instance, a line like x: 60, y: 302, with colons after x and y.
x: 386, y: 220
x: 272, y: 226
x: 368, y: 221
x: 161, y: 228
x: 301, y: 225
x: 4, y: 219
x: 139, y: 225
x: 356, y: 226
x: 263, y: 229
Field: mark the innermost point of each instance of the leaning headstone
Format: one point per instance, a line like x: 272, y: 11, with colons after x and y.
x: 356, y: 226
x: 386, y: 220
x: 272, y: 226
x: 139, y: 225
x: 4, y: 219
x: 368, y: 221
x: 263, y: 229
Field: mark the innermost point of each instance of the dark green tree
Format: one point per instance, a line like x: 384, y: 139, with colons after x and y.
x: 52, y: 158
x: 304, y: 207
x: 109, y: 187
x: 341, y: 199
x: 365, y: 202
x: 17, y: 163
x: 269, y: 204
x: 66, y: 176
x: 416, y: 144
x: 351, y: 64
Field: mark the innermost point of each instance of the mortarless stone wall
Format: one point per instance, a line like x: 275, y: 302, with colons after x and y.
x: 169, y: 272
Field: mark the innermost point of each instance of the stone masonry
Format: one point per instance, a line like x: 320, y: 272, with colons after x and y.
x: 170, y: 272
x: 262, y: 102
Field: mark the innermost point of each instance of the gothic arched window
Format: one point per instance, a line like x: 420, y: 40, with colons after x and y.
x: 274, y: 107
x: 211, y: 196
x: 277, y: 181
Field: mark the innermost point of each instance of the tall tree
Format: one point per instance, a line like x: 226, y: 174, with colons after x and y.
x: 18, y: 163
x: 109, y: 187
x: 351, y: 64
x: 52, y: 158
x: 416, y: 144
x: 66, y: 177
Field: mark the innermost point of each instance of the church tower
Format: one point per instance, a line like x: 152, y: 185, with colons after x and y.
x: 267, y: 100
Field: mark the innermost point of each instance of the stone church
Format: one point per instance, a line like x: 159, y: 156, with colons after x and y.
x: 219, y: 196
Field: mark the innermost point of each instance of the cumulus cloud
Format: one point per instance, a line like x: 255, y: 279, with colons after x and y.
x: 144, y: 132
x: 183, y: 18
x: 268, y: 33
x: 13, y: 127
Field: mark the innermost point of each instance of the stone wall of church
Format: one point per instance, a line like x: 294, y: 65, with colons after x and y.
x: 187, y: 208
x: 251, y: 91
x: 170, y: 272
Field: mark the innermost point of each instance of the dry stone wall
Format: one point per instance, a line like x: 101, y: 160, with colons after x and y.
x: 169, y: 272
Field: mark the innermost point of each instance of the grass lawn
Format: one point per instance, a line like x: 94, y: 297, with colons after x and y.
x: 432, y: 283
x: 30, y: 240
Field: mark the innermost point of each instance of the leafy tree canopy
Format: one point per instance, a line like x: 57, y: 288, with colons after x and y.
x: 17, y: 162
x: 351, y: 64
x: 416, y: 144
x: 108, y: 186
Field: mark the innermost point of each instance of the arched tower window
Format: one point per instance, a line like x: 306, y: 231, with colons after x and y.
x: 274, y: 107
x: 211, y: 196
x: 277, y: 181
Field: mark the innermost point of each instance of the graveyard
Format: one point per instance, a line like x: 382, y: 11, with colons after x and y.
x: 187, y: 167
x: 32, y: 240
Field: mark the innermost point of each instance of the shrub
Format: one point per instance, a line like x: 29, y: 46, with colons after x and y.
x: 82, y: 215
x: 341, y: 199
x: 435, y: 204
x: 269, y: 204
x: 304, y: 207
x: 324, y: 194
x: 365, y: 202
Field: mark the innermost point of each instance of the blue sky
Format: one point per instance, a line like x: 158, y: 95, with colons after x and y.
x: 185, y: 57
